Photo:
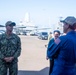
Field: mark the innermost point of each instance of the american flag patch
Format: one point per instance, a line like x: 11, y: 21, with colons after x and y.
x: 57, y: 41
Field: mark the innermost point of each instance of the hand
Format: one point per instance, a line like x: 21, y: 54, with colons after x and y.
x: 47, y: 58
x: 8, y: 59
x: 11, y: 58
x: 46, y: 46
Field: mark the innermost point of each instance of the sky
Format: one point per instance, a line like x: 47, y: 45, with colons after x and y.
x: 42, y: 12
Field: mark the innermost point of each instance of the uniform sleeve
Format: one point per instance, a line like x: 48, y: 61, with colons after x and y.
x: 1, y: 54
x: 53, y: 48
x: 18, y: 51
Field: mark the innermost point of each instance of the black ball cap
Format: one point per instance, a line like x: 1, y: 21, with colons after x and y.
x: 10, y: 23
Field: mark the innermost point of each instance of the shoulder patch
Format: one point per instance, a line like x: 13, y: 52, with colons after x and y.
x: 57, y: 41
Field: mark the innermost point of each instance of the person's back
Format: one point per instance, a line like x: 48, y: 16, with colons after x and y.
x: 65, y: 62
x: 65, y: 46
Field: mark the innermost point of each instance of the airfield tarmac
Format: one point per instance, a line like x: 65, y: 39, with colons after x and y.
x: 33, y: 56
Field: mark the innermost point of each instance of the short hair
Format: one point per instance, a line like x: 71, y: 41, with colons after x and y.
x: 57, y: 31
x: 73, y: 27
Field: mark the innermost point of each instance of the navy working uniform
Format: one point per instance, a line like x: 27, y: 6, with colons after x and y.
x: 65, y: 47
x: 9, y: 47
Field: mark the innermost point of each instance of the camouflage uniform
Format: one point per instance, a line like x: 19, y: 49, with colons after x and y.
x: 9, y: 47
